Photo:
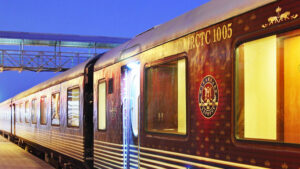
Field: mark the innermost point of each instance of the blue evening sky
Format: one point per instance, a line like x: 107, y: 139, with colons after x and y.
x: 119, y: 18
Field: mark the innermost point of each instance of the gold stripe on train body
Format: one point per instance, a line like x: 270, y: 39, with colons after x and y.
x: 106, y: 147
x: 109, y: 152
x: 179, y: 161
x: 147, y: 165
x: 113, y: 162
x: 98, y: 165
x: 98, y: 161
x: 162, y: 163
x: 201, y: 158
x: 187, y: 156
x: 159, y: 163
x: 109, y: 156
x: 107, y: 143
x: 113, y: 152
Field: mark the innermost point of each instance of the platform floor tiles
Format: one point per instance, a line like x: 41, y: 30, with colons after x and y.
x: 14, y: 157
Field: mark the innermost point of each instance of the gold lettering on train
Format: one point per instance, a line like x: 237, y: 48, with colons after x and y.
x: 207, y: 37
x: 210, y: 36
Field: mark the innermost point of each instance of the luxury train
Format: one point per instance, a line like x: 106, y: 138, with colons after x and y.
x: 217, y: 87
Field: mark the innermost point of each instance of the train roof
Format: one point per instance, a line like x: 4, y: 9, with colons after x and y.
x: 205, y: 15
x: 64, y: 76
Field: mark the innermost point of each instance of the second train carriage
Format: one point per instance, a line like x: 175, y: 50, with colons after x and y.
x: 214, y: 88
x: 51, y: 117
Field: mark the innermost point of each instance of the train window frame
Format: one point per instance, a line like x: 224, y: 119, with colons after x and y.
x: 25, y: 113
x: 59, y: 94
x: 20, y: 112
x: 166, y: 135
x: 280, y: 35
x: 71, y: 88
x: 106, y: 93
x: 45, y: 100
x: 31, y: 119
x: 16, y: 111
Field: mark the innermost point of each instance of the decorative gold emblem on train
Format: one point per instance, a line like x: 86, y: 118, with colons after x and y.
x: 280, y: 17
x: 208, y: 96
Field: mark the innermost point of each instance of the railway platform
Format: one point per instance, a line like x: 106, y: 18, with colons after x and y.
x: 14, y: 157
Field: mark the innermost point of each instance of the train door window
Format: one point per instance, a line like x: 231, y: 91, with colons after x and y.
x: 27, y: 112
x: 33, y: 111
x: 55, y: 109
x: 21, y: 112
x: 43, y: 110
x: 165, y: 102
x: 73, y: 107
x: 102, y: 105
x: 267, y: 89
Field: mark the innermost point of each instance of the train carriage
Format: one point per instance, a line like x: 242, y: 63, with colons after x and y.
x: 214, y: 88
x: 50, y: 117
x: 209, y: 89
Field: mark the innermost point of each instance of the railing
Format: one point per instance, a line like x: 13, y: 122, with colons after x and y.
x: 40, y: 60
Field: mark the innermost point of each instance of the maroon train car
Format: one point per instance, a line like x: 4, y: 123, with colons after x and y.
x: 217, y: 87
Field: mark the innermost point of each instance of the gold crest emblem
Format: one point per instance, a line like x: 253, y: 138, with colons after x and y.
x: 208, y: 96
x: 280, y: 17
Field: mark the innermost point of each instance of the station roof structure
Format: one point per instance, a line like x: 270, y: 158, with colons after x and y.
x: 16, y: 55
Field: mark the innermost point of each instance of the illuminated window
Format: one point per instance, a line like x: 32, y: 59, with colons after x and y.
x: 55, y: 109
x: 267, y: 89
x: 21, y: 112
x: 73, y: 107
x: 33, y: 111
x: 27, y: 112
x: 43, y: 110
x: 102, y: 106
x: 17, y: 111
x: 165, y: 102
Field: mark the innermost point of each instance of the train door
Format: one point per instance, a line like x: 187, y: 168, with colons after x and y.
x: 130, y: 95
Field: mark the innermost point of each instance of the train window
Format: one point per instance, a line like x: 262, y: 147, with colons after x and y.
x: 21, y: 112
x: 17, y: 111
x: 165, y: 102
x: 73, y: 107
x: 43, y: 110
x: 267, y: 89
x: 55, y: 109
x: 27, y: 112
x: 102, y: 106
x: 33, y: 111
